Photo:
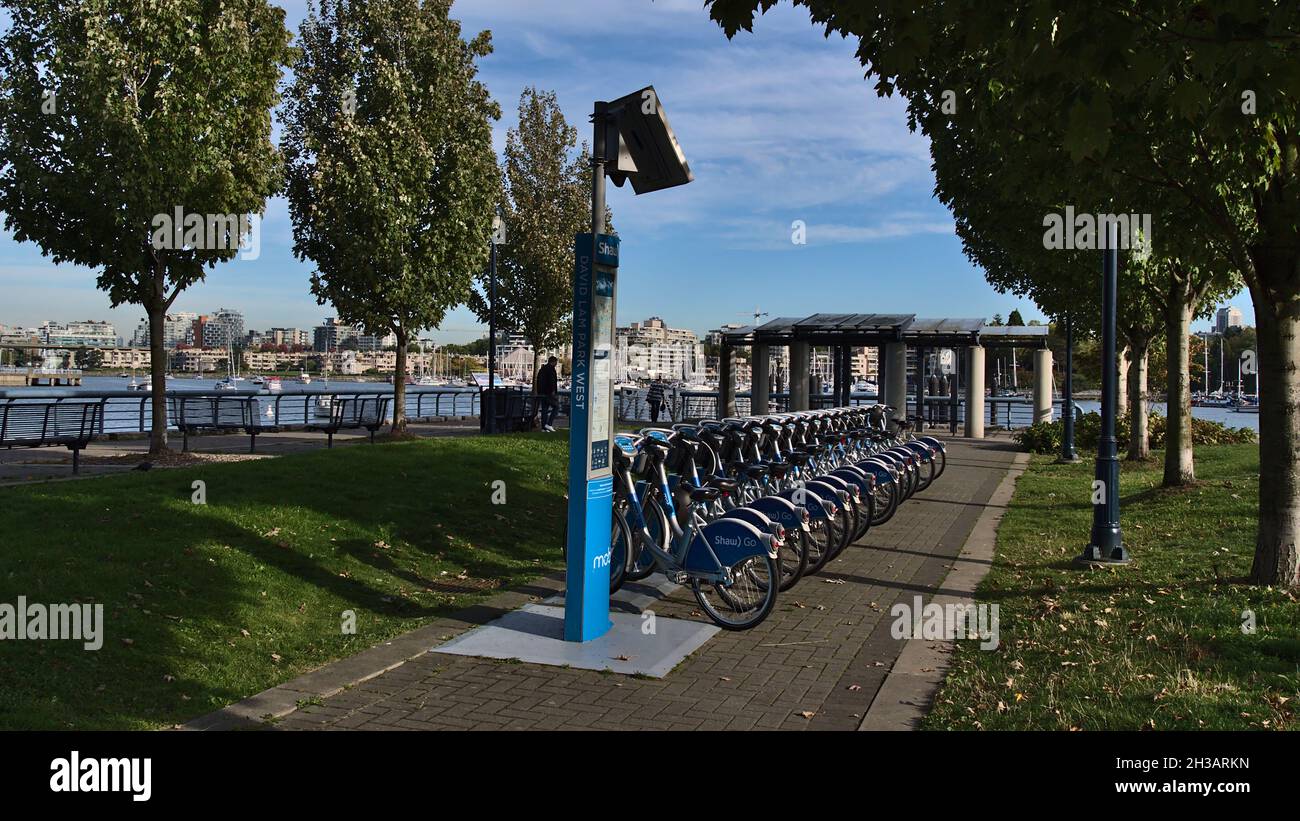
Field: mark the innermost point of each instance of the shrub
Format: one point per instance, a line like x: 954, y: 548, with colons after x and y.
x: 1045, y: 437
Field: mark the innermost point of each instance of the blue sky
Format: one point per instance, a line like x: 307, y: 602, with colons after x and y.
x: 777, y: 126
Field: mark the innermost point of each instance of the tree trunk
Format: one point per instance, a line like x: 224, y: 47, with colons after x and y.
x: 156, y: 310
x: 399, y: 383
x: 1180, y: 468
x: 1139, y: 444
x: 1277, y: 559
x: 537, y: 363
x: 1121, y: 395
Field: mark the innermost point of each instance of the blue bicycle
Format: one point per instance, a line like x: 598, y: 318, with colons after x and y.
x: 730, y: 563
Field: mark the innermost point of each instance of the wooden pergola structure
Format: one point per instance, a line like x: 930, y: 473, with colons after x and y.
x: 892, y: 334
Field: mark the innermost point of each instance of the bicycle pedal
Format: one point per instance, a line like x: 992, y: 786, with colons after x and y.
x: 680, y: 577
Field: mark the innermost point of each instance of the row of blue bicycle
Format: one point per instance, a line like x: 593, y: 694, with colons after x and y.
x: 741, y: 509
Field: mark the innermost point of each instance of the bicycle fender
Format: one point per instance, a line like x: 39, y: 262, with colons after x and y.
x: 937, y: 444
x: 722, y: 544
x: 782, y: 511
x: 883, y: 475
x: 748, y: 514
x: 866, y: 482
x: 811, y: 501
x: 921, y: 449
x: 828, y: 484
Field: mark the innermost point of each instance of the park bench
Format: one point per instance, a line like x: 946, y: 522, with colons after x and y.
x: 195, y: 414
x: 353, y: 413
x: 72, y: 424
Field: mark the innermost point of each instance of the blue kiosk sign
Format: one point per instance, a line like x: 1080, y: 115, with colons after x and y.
x: 591, y: 432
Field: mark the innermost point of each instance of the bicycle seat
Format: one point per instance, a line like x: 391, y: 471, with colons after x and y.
x: 755, y: 471
x: 705, y: 494
x: 779, y: 469
x: 723, y: 484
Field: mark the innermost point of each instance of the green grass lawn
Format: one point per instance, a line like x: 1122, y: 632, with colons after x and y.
x: 207, y: 604
x: 1156, y: 645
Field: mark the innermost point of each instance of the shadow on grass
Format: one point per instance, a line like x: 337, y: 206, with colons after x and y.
x: 208, y: 604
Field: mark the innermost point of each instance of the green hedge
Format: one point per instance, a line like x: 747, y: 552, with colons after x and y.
x: 1045, y: 437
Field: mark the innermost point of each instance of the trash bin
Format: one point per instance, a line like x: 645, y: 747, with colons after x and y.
x: 511, y: 408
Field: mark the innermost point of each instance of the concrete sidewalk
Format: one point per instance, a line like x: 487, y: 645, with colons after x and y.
x: 817, y: 662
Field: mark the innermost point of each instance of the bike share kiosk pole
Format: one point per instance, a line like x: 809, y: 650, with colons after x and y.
x: 633, y: 136
x: 591, y: 481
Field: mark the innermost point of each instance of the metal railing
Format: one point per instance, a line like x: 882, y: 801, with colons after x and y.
x: 131, y: 411
x: 128, y: 412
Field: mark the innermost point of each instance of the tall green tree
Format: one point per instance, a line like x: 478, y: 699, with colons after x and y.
x: 392, y: 177
x: 113, y: 115
x: 1198, y: 100
x: 545, y: 201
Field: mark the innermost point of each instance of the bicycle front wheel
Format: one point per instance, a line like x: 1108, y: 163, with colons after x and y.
x: 747, y: 600
x: 620, y: 546
x: 820, y: 545
x: 642, y: 562
x: 793, y: 558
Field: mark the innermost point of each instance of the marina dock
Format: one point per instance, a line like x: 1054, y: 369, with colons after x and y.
x: 39, y: 377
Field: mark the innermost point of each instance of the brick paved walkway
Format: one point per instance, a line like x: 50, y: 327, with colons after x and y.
x: 815, y: 663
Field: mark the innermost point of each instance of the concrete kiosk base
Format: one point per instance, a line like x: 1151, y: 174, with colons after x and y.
x: 535, y: 634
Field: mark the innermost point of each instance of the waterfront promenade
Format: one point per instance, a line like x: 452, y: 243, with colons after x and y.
x: 819, y: 662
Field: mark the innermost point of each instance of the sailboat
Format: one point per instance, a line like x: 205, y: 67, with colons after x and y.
x: 133, y: 385
x: 425, y: 378
x: 324, y: 405
x: 232, y: 372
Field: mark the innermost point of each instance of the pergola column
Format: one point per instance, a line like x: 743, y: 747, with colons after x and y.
x: 921, y: 354
x: 848, y: 376
x: 1043, y: 385
x: 841, y: 384
x: 953, y: 389
x: 896, y: 379
x: 726, y: 381
x: 798, y: 376
x: 758, y: 390
x: 975, y: 392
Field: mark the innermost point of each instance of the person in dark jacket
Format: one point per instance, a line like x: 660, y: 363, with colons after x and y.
x: 547, y: 388
x: 655, y: 398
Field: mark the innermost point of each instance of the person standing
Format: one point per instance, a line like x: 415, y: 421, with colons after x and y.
x: 655, y: 398
x: 547, y: 385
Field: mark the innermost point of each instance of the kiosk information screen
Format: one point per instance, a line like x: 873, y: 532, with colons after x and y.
x: 602, y: 350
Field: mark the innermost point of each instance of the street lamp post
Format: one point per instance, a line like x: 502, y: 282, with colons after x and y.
x: 1067, y: 406
x: 1106, y: 544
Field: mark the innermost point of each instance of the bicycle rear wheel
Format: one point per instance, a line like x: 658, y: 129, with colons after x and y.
x: 747, y: 600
